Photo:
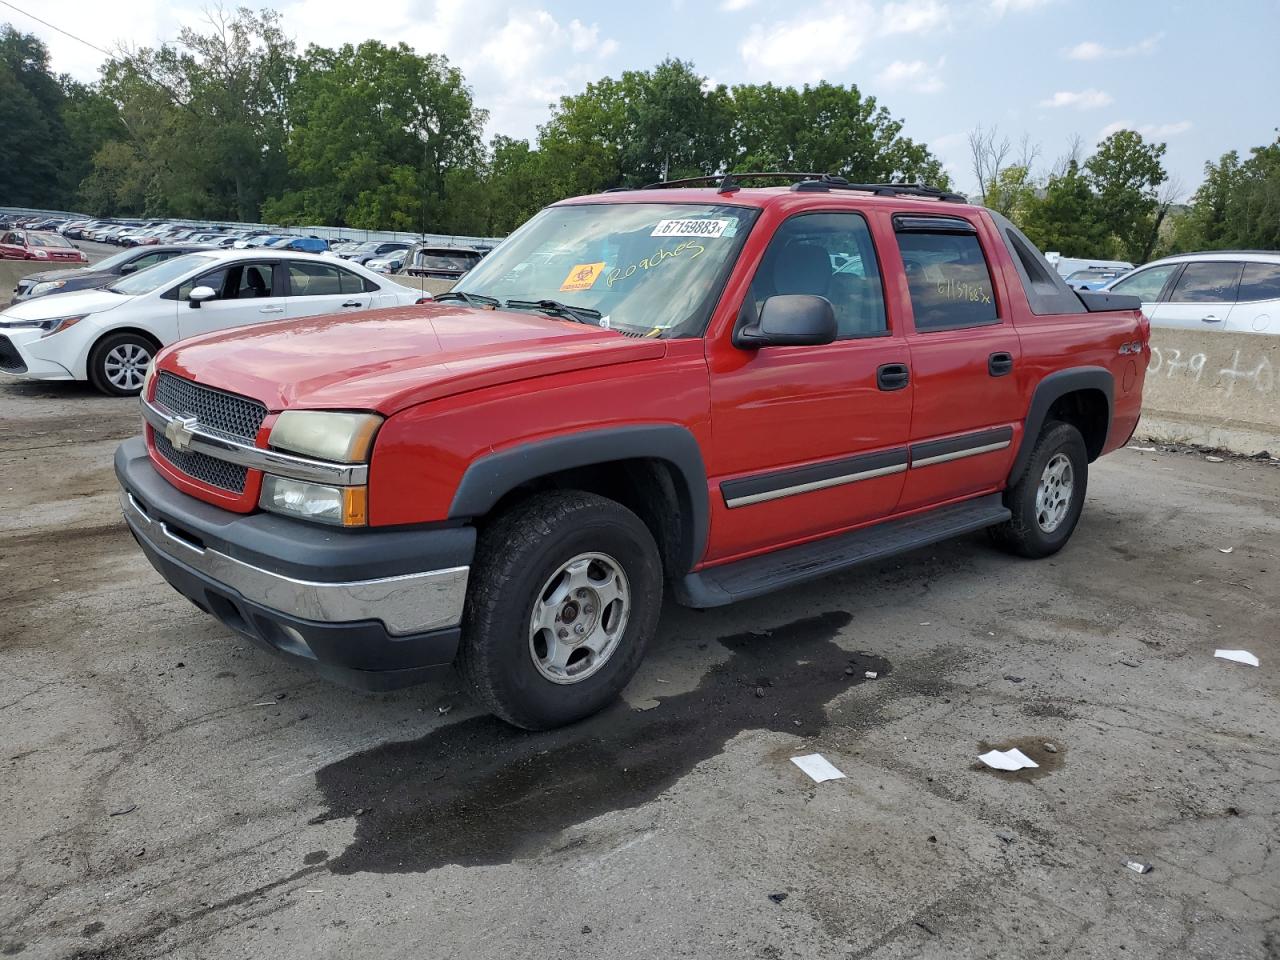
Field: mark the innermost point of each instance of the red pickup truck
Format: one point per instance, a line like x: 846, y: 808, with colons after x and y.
x: 707, y: 390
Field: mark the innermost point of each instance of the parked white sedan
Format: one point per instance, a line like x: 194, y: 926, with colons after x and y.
x: 1233, y: 290
x: 108, y: 336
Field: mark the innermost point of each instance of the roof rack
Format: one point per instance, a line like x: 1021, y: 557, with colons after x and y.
x: 807, y: 182
x: 828, y: 182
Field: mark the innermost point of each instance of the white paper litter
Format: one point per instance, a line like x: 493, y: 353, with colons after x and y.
x: 1214, y: 460
x: 1013, y: 759
x: 1138, y: 867
x: 1143, y: 449
x: 1226, y: 549
x: 818, y: 767
x: 871, y: 674
x: 1239, y: 656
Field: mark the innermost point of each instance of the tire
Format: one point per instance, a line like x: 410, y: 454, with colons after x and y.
x: 1041, y: 525
x: 118, y: 362
x: 520, y: 572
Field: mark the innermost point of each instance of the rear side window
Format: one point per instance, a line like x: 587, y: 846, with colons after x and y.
x: 1261, y: 281
x: 948, y: 278
x: 1209, y: 281
x: 352, y: 283
x: 314, y: 280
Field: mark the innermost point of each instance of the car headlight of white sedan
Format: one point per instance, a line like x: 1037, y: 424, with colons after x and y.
x: 48, y: 327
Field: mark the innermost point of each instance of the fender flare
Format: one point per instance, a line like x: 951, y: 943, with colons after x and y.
x: 1056, y: 385
x: 491, y: 477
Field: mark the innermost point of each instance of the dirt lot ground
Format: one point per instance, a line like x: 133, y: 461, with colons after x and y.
x: 169, y: 791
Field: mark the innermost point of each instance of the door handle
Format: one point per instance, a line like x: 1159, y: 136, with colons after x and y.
x: 892, y: 376
x: 271, y: 310
x: 1000, y: 363
x: 1211, y: 319
x: 353, y: 303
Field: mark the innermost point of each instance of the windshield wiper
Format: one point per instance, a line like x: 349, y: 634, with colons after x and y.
x: 580, y: 314
x: 470, y: 299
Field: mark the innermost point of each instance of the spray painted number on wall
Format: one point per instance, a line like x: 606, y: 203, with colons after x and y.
x: 1170, y: 361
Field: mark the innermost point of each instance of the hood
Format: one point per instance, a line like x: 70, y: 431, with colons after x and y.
x: 65, y: 305
x: 67, y: 273
x: 386, y: 360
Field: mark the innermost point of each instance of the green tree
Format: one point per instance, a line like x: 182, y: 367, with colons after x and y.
x: 32, y: 135
x: 825, y: 129
x: 375, y: 131
x: 1237, y: 206
x: 1012, y: 193
x: 1065, y: 219
x: 1125, y: 174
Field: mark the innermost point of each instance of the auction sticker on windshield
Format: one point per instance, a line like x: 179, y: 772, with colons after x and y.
x: 701, y: 227
x: 583, y: 276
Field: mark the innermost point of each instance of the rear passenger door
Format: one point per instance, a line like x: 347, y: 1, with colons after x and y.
x: 1203, y: 296
x: 1257, y: 308
x: 964, y: 357
x: 317, y: 288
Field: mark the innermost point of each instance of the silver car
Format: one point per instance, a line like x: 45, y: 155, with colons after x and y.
x: 1233, y: 290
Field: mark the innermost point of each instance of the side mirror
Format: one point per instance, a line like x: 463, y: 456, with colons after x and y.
x: 790, y: 320
x: 199, y: 295
x: 128, y: 268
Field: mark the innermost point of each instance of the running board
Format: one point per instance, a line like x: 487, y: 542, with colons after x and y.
x: 717, y: 586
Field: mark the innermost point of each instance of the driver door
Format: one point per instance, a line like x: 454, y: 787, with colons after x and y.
x: 248, y: 293
x: 810, y: 440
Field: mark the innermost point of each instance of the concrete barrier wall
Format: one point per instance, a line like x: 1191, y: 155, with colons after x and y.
x: 1214, y: 390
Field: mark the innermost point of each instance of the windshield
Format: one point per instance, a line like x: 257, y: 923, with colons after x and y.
x: 369, y: 246
x: 650, y: 268
x: 444, y: 261
x: 144, y: 281
x: 47, y: 240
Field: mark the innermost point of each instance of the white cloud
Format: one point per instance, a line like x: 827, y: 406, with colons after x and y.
x: 1080, y: 100
x: 914, y: 75
x: 914, y: 16
x: 1151, y: 131
x: 1001, y: 7
x: 733, y: 6
x: 1091, y: 50
x: 805, y: 50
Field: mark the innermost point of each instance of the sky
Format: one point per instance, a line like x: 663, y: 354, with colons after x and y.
x: 1201, y: 77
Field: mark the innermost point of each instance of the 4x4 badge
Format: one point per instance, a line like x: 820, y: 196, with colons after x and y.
x: 179, y: 432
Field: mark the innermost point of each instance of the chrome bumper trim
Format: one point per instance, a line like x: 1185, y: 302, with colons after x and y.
x: 413, y: 603
x: 256, y: 458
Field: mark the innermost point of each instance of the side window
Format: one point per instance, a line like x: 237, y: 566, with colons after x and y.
x: 314, y: 280
x: 826, y: 255
x: 214, y: 278
x: 1145, y: 284
x: 350, y: 282
x: 150, y: 260
x: 1208, y: 281
x: 256, y: 280
x: 1261, y: 281
x: 947, y: 274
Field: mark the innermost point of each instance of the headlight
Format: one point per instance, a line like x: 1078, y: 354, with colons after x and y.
x: 40, y: 254
x: 147, y: 378
x: 341, y: 506
x: 47, y: 286
x: 344, y: 437
x: 50, y: 327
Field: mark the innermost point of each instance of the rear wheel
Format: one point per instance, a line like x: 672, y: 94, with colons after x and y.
x: 565, y: 594
x: 1047, y: 499
x: 118, y: 363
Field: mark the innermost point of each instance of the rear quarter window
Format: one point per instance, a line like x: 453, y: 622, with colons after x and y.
x: 1261, y: 281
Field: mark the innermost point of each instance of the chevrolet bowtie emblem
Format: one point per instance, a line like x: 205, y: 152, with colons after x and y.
x: 179, y: 432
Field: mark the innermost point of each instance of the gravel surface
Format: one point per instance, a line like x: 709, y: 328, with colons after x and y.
x: 170, y: 791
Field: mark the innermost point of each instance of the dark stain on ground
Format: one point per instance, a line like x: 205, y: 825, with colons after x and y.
x: 481, y: 792
x: 316, y: 856
x: 12, y: 949
x: 1035, y: 748
x: 93, y: 929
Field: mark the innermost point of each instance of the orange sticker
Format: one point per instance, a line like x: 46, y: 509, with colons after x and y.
x: 583, y: 276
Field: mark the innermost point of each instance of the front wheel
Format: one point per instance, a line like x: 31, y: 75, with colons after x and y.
x: 1047, y: 499
x: 118, y: 363
x: 565, y: 594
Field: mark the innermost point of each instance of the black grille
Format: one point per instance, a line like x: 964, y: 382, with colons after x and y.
x: 217, y: 412
x: 10, y: 359
x: 210, y: 470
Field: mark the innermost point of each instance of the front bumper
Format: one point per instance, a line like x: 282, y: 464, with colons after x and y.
x: 18, y: 359
x: 371, y: 609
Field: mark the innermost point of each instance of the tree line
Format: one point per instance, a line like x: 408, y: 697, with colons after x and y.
x: 233, y: 122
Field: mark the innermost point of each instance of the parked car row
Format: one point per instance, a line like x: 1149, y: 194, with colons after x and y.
x: 22, y: 244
